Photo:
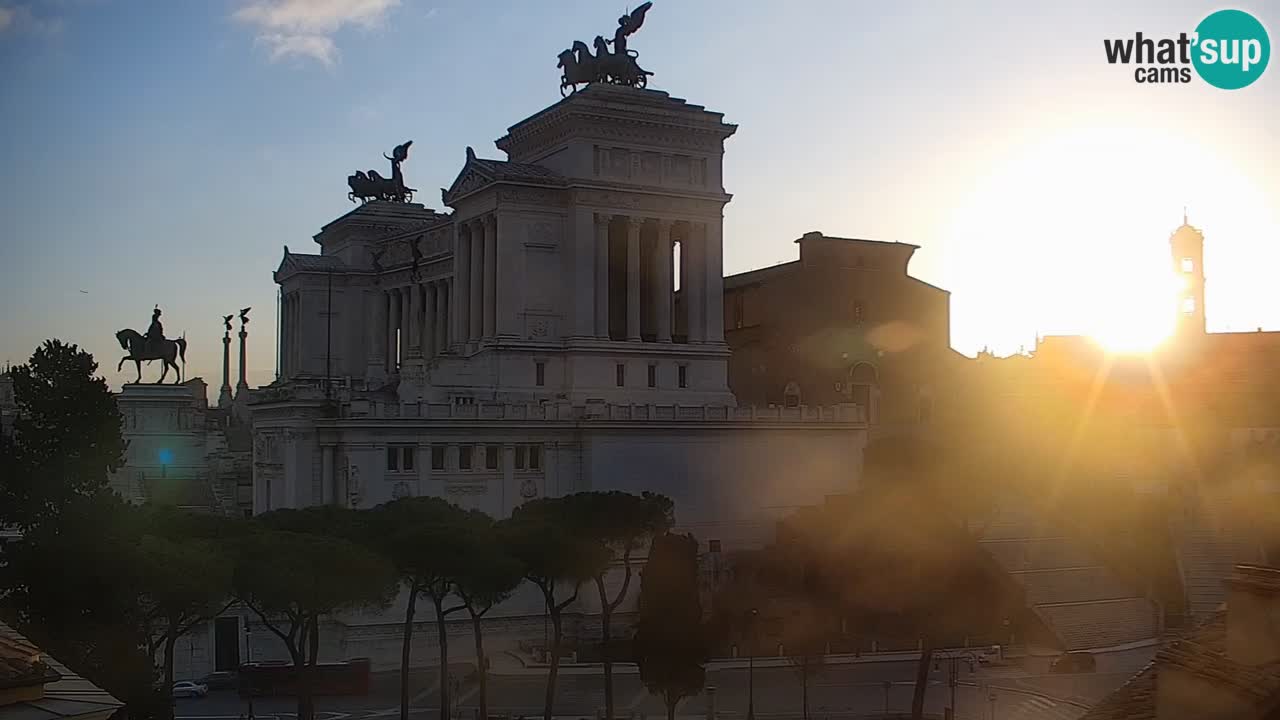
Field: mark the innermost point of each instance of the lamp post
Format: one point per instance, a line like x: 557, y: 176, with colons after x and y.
x: 953, y: 659
x: 887, y: 687
x: 248, y: 652
x: 751, y: 667
x: 992, y: 698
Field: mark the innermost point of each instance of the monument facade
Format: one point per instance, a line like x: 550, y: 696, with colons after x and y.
x: 529, y: 342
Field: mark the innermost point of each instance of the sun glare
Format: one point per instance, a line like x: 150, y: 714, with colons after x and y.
x: 1068, y: 234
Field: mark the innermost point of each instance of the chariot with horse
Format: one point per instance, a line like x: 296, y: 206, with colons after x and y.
x: 618, y: 67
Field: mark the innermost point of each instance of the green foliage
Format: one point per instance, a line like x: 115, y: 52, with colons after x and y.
x: 66, y: 438
x: 301, y: 576
x: 671, y: 639
x: 541, y: 535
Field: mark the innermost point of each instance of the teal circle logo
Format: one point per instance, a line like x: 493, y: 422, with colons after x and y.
x: 1232, y: 49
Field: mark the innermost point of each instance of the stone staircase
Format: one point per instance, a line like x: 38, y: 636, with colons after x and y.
x: 1211, y: 543
x: 1082, y: 602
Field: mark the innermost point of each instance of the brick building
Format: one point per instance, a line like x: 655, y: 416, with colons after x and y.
x: 845, y: 322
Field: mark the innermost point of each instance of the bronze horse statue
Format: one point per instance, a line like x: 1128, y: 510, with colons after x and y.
x: 372, y: 186
x: 132, y: 342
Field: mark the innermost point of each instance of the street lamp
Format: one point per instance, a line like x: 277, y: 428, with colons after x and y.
x: 953, y: 659
x: 992, y: 698
x: 751, y: 667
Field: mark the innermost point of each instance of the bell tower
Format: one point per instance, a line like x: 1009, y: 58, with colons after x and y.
x: 1186, y: 247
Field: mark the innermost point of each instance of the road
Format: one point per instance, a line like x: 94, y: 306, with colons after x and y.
x: 833, y: 691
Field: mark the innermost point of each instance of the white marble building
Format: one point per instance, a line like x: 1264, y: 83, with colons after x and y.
x: 561, y: 330
x: 533, y: 342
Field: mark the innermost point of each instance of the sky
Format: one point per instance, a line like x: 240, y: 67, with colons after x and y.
x: 160, y: 152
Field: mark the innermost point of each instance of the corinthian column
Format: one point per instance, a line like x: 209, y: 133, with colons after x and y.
x: 490, y: 276
x: 428, y: 339
x: 462, y: 284
x: 602, y: 275
x: 413, y: 325
x: 475, y: 319
x: 662, y: 286
x: 633, y: 279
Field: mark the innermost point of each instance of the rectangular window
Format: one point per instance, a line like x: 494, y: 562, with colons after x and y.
x: 1188, y: 265
x: 858, y: 312
x: 1188, y: 305
x: 713, y: 546
x: 540, y: 373
x: 683, y: 374
x: 521, y: 452
x: 535, y: 457
x: 621, y: 372
x: 653, y: 376
x: 464, y: 456
x: 437, y: 457
x: 491, y: 455
x: 393, y: 459
x: 739, y: 310
x: 407, y: 465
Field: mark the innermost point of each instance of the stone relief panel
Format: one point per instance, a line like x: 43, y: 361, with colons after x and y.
x: 542, y: 234
x: 648, y: 203
x: 541, y: 327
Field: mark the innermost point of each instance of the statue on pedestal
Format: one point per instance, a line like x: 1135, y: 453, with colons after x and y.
x: 152, y: 346
x: 618, y: 67
x: 372, y: 186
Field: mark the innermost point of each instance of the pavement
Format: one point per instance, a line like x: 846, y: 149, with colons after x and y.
x: 1022, y: 691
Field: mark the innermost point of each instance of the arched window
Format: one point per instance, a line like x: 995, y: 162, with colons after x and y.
x: 864, y: 388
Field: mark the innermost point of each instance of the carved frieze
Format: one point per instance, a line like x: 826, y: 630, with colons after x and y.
x: 531, y: 196
x: 465, y: 489
x: 639, y: 202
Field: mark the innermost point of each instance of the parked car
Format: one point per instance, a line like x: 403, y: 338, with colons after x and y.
x: 1074, y: 662
x: 222, y: 680
x: 189, y: 689
x: 990, y: 655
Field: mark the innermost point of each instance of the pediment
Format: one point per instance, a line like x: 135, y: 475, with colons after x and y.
x: 472, y: 177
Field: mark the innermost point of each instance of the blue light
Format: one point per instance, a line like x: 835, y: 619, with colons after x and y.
x: 166, y: 456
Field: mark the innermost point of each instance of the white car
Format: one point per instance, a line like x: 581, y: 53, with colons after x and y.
x: 189, y: 689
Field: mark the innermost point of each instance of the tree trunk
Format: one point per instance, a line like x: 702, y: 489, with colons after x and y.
x: 407, y: 644
x: 922, y: 681
x: 482, y: 669
x: 170, y: 640
x: 304, y: 677
x: 672, y: 702
x: 804, y: 690
x: 313, y: 643
x: 606, y: 614
x: 554, y: 670
x: 443, y: 638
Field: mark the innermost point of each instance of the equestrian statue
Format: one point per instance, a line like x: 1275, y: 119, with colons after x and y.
x: 372, y: 186
x: 153, y: 346
x: 617, y: 67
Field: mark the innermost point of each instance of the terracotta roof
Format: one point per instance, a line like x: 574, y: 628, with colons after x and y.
x: 1202, y: 652
x: 20, y: 662
x: 67, y: 696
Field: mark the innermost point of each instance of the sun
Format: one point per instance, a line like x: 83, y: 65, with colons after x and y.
x: 1067, y: 232
x: 1138, y: 315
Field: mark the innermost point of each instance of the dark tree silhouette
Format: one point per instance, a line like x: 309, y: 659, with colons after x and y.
x: 540, y: 535
x: 671, y: 639
x: 425, y: 540
x: 65, y: 439
x: 290, y: 579
x: 622, y: 523
x: 489, y: 575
